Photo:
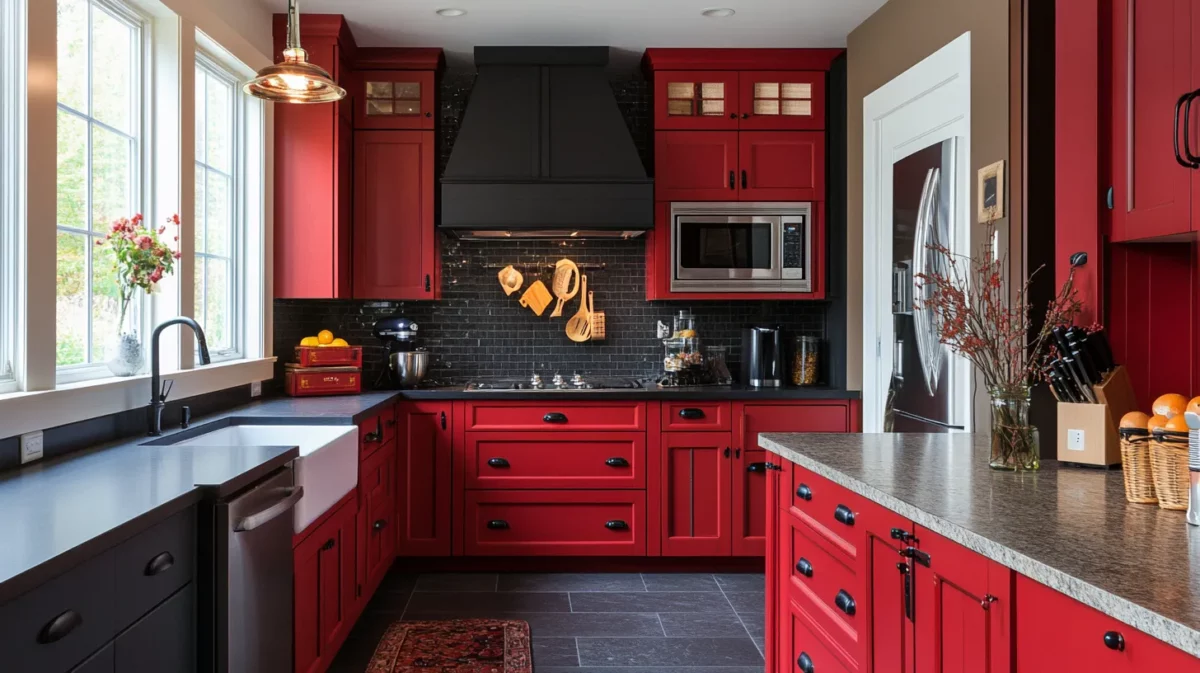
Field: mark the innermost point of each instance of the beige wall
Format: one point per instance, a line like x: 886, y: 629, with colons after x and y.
x: 898, y: 36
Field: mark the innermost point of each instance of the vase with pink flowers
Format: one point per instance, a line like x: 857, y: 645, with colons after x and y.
x: 142, y: 258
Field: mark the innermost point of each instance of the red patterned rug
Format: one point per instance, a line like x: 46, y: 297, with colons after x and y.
x: 454, y: 646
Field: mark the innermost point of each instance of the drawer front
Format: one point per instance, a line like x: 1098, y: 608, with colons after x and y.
x: 696, y: 416
x: 801, y: 649
x: 824, y: 587
x: 830, y: 511
x: 376, y: 431
x: 556, y: 523
x: 556, y: 416
x: 504, y: 460
x: 164, y: 640
x: 154, y: 565
x: 58, y: 624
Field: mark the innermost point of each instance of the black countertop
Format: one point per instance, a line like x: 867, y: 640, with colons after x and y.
x: 646, y: 392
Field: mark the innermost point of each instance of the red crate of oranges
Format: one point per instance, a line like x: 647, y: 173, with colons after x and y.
x: 324, y: 365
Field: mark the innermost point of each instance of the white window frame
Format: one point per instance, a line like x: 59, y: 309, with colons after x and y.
x: 142, y: 164
x: 237, y: 209
x: 12, y: 136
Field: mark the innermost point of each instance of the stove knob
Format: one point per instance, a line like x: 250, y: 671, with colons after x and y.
x: 577, y: 379
x: 535, y: 380
x: 558, y: 379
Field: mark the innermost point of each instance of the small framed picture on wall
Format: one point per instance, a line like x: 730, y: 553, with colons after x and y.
x: 991, y: 192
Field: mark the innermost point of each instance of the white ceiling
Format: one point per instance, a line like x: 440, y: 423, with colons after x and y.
x: 629, y: 26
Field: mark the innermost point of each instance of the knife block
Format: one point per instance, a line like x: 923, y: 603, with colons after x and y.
x: 1087, y: 433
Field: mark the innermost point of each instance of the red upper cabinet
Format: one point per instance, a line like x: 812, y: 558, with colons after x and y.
x: 423, y: 479
x: 1154, y: 49
x: 696, y: 100
x: 395, y: 244
x: 781, y: 166
x: 771, y: 101
x: 695, y: 166
x: 395, y: 99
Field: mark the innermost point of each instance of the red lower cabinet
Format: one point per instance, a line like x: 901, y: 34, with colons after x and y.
x: 324, y: 589
x: 543, y: 460
x: 1057, y: 633
x: 696, y: 501
x: 376, y: 517
x: 887, y: 593
x: 423, y: 480
x: 555, y: 523
x: 776, y: 470
x: 801, y: 650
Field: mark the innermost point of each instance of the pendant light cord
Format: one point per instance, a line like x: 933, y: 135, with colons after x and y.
x: 293, y: 34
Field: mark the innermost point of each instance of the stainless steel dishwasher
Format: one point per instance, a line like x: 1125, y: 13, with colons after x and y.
x: 249, y: 618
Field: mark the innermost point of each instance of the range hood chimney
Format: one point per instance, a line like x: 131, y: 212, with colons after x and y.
x: 543, y: 151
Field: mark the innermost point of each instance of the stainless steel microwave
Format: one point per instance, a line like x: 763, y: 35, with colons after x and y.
x: 741, y: 247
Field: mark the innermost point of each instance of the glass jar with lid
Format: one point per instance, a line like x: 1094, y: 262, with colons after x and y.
x: 806, y: 361
x: 685, y: 326
x: 681, y: 353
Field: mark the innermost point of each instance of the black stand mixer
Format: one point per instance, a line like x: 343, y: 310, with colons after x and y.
x: 406, y: 361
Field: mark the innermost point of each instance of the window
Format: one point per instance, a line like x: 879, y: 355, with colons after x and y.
x: 100, y: 84
x: 219, y: 215
x: 12, y: 99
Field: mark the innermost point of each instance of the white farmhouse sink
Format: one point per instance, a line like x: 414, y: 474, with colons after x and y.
x: 327, y: 467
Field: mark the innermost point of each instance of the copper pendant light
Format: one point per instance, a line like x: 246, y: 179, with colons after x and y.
x: 294, y: 80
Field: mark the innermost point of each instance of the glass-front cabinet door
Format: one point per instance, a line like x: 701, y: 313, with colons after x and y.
x: 395, y: 99
x: 781, y: 101
x: 696, y: 100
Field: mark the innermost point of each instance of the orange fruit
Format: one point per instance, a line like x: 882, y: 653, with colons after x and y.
x: 1170, y: 405
x: 1135, y: 419
x: 340, y: 343
x: 1156, y: 422
x: 309, y: 341
x: 325, y: 337
x: 1176, y: 424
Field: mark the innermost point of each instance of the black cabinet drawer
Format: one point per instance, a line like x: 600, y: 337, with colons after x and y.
x: 103, y: 661
x: 164, y: 640
x: 57, y: 625
x: 153, y: 565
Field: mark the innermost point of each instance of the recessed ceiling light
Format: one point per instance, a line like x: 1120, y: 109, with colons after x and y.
x: 718, y: 12
x: 451, y: 11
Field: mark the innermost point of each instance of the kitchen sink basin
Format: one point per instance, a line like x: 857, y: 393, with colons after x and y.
x: 327, y: 467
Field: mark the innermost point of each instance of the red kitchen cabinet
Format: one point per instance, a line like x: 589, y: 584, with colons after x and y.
x: 396, y: 248
x: 890, y: 646
x: 324, y: 589
x: 424, y: 481
x: 556, y: 416
x: 1154, y: 48
x: 376, y: 518
x: 774, y: 100
x: 695, y: 100
x: 555, y: 523
x: 696, y: 500
x: 778, y: 471
x: 696, y: 166
x: 395, y: 100
x: 515, y: 460
x: 781, y: 166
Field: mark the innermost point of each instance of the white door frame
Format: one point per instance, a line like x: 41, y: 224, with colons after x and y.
x: 925, y: 105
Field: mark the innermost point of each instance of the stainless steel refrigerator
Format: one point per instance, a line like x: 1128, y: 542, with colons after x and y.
x: 919, y: 396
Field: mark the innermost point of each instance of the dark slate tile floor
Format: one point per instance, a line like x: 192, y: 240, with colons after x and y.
x: 588, y: 622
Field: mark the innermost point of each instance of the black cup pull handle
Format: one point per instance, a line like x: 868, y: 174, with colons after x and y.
x: 617, y: 462
x: 804, y: 492
x: 555, y: 417
x: 497, y: 462
x: 804, y: 567
x: 756, y: 467
x: 845, y: 602
x: 691, y: 414
x: 743, y: 179
x: 59, y: 627
x: 160, y: 564
x: 844, y: 515
x: 497, y: 524
x: 616, y: 524
x: 329, y: 544
x: 379, y: 524
x: 1114, y: 641
x: 805, y: 663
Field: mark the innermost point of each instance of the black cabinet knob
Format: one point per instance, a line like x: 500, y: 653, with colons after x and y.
x: 497, y: 462
x: 372, y: 438
x: 1114, y: 641
x: 844, y: 515
x: 845, y: 602
x: 60, y: 627
x: 554, y: 417
x: 616, y: 524
x: 691, y: 414
x: 329, y: 544
x: 428, y: 114
x: 497, y: 524
x: 745, y: 115
x: 379, y: 524
x: 805, y: 663
x: 757, y: 467
x: 804, y: 567
x: 617, y: 462
x: 726, y: 452
x: 804, y: 492
x: 159, y: 564
x: 733, y: 115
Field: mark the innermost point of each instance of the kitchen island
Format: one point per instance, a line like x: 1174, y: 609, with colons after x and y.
x: 943, y: 557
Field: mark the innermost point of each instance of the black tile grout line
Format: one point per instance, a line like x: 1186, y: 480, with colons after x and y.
x: 740, y: 620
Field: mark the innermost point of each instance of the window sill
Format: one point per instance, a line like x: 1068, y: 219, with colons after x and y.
x: 70, y: 403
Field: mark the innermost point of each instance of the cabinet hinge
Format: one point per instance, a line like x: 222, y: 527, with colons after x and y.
x: 916, y: 555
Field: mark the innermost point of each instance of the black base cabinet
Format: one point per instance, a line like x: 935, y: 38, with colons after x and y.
x: 163, y: 640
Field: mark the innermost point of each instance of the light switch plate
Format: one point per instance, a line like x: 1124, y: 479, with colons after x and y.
x: 1074, y: 440
x: 256, y: 389
x: 31, y: 446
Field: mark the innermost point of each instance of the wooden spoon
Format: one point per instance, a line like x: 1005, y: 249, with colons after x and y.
x: 579, y: 327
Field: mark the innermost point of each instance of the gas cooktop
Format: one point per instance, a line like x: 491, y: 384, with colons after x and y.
x: 555, y: 384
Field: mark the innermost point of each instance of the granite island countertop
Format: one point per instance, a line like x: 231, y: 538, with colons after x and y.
x: 1069, y: 528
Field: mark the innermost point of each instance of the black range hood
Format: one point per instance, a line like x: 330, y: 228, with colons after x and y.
x: 543, y: 151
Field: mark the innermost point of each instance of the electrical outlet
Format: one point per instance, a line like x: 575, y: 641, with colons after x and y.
x: 31, y: 446
x: 1074, y: 440
x: 256, y: 389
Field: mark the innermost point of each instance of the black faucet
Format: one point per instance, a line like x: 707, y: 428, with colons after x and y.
x: 158, y: 397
